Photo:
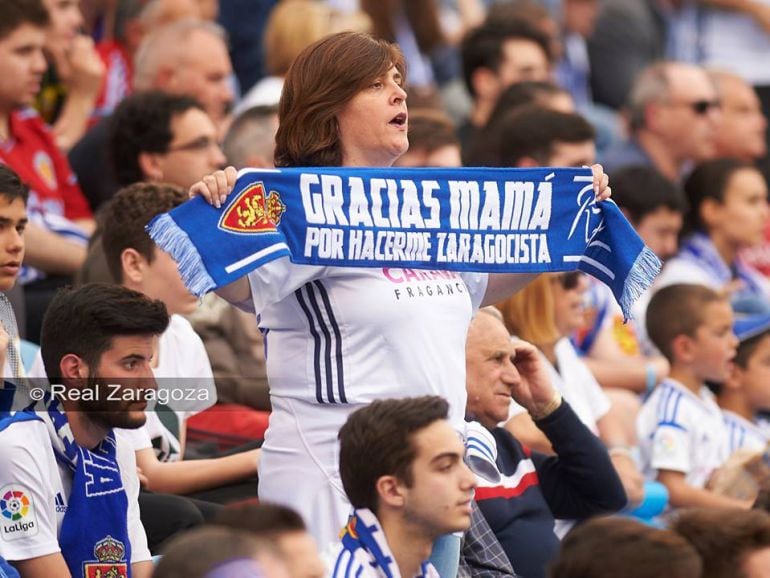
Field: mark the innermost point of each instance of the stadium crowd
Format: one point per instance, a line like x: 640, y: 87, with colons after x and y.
x: 490, y: 425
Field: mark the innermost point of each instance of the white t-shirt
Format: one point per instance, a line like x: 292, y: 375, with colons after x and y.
x: 743, y: 434
x: 576, y: 384
x: 683, y: 432
x: 266, y: 92
x: 337, y: 339
x: 348, y: 336
x: 28, y: 465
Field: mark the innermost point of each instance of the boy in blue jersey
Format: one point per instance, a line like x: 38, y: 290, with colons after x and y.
x: 747, y: 391
x: 682, y: 437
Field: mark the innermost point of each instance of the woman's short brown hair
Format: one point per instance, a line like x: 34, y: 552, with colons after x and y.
x: 321, y: 81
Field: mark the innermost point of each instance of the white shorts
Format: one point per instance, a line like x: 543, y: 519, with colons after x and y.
x: 300, y: 465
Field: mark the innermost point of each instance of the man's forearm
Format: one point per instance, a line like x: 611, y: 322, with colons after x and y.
x: 188, y: 476
x: 43, y: 567
x: 52, y: 253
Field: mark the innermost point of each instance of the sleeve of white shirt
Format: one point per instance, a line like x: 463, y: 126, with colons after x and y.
x: 671, y: 449
x: 277, y: 279
x: 27, y: 468
x: 598, y: 400
x: 139, y: 438
x: 136, y: 534
x: 682, y: 271
x: 199, y: 368
x: 477, y: 287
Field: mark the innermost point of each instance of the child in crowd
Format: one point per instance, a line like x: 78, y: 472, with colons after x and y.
x: 180, y: 359
x: 682, y: 436
x: 747, y: 390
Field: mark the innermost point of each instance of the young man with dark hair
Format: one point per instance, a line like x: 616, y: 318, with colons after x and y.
x: 484, y: 151
x: 496, y: 55
x: 534, y: 136
x: 653, y: 204
x: 13, y: 221
x: 68, y: 477
x: 282, y: 526
x: 402, y: 468
x: 159, y: 137
x: 60, y: 217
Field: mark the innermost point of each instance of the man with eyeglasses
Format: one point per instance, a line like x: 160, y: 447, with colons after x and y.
x: 673, y: 113
x: 157, y: 137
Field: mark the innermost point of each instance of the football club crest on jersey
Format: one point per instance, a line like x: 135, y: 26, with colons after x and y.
x: 350, y: 528
x: 254, y: 211
x: 17, y: 513
x: 44, y: 168
x: 110, y: 560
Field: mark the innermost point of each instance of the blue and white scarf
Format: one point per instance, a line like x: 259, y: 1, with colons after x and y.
x: 365, y: 552
x: 484, y: 220
x: 752, y: 298
x: 94, y: 532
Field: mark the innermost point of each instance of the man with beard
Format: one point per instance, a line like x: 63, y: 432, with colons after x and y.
x: 68, y: 480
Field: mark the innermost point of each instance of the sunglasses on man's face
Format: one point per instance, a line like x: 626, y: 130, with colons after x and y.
x: 701, y: 107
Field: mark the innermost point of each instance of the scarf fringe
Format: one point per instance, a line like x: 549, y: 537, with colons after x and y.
x: 164, y: 231
x: 641, y: 275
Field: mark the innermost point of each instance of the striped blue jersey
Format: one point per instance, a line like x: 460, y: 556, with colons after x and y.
x: 743, y: 434
x: 347, y: 336
x: 682, y: 431
x: 363, y: 551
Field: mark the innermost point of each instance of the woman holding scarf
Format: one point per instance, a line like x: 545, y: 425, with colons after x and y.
x: 338, y: 337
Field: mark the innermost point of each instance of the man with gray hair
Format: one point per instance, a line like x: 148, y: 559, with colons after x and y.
x: 673, y: 116
x: 250, y: 140
x: 188, y: 57
x: 134, y: 19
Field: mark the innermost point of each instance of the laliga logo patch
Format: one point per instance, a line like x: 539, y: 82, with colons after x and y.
x: 17, y: 513
x: 253, y: 211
